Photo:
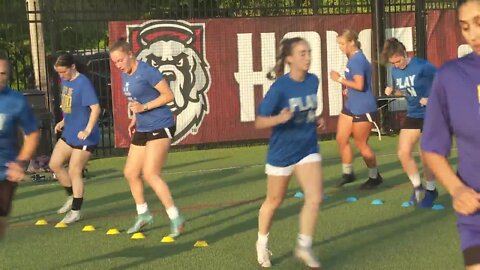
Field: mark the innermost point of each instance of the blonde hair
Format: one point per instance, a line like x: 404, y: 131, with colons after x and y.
x: 350, y: 35
x: 285, y: 49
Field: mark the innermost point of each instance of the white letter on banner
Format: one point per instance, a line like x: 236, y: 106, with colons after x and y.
x: 337, y: 61
x: 313, y: 39
x: 247, y: 78
x: 365, y: 38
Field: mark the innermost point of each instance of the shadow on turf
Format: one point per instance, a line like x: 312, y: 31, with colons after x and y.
x: 412, y: 219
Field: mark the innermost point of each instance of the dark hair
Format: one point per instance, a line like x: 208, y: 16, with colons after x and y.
x: 122, y: 45
x: 351, y: 35
x: 391, y: 47
x: 68, y: 60
x: 285, y: 49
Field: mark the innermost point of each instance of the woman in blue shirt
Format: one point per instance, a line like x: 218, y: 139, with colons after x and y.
x: 15, y: 113
x: 80, y: 133
x: 152, y: 129
x: 412, y: 79
x: 289, y: 109
x: 359, y: 112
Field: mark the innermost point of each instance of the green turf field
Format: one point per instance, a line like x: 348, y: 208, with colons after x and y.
x: 220, y: 192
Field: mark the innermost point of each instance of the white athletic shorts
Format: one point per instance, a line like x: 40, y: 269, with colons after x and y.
x: 287, y: 171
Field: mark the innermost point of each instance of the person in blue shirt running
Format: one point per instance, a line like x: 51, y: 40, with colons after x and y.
x: 454, y: 111
x: 412, y: 79
x: 359, y: 112
x: 15, y: 112
x: 289, y: 109
x: 80, y: 133
x: 152, y: 129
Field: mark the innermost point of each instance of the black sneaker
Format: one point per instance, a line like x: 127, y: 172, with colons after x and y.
x: 372, y: 183
x: 346, y: 178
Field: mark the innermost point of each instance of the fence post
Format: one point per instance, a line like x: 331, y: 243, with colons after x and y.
x: 378, y: 22
x: 37, y: 43
x: 420, y: 26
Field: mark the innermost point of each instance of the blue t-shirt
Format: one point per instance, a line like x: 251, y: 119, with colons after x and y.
x: 297, y: 138
x: 140, y: 87
x: 360, y: 102
x: 77, y: 97
x: 414, y: 82
x: 454, y: 110
x: 15, y: 112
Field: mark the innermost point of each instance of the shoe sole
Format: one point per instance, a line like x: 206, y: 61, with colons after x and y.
x: 143, y: 226
x: 370, y: 187
x: 302, y: 261
x: 179, y: 229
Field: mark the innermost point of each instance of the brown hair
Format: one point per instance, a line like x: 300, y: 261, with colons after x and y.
x: 121, y: 45
x: 392, y: 47
x: 350, y: 36
x: 4, y: 57
x: 68, y: 60
x: 285, y: 49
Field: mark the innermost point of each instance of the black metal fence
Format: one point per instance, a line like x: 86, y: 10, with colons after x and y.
x: 81, y: 27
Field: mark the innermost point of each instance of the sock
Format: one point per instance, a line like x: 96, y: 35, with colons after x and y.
x: 415, y: 179
x: 347, y: 168
x: 373, y: 172
x: 142, y: 208
x: 77, y: 203
x: 304, y: 241
x: 262, y: 239
x: 430, y: 185
x: 172, y: 213
x: 69, y: 191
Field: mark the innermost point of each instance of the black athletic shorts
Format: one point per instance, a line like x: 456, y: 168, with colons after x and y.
x: 471, y: 255
x: 7, y: 190
x: 361, y: 117
x: 412, y: 123
x: 89, y: 148
x: 141, y: 138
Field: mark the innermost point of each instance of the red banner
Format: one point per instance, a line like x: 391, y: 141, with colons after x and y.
x: 445, y: 41
x: 217, y: 67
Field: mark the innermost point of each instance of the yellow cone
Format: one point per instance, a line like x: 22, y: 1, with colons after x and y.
x: 201, y: 243
x: 113, y: 232
x: 41, y: 222
x: 61, y: 225
x: 168, y: 239
x: 138, y: 235
x: 88, y: 228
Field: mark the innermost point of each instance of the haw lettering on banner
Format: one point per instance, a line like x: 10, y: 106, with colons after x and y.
x: 217, y: 69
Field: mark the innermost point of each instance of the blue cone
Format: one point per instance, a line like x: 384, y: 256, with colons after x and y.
x: 351, y: 199
x: 377, y: 202
x: 438, y: 207
x: 406, y: 204
x: 298, y: 194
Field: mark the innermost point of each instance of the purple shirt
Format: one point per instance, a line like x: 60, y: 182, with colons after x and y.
x: 454, y: 110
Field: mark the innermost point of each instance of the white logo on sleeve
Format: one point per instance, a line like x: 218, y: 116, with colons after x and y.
x: 3, y: 118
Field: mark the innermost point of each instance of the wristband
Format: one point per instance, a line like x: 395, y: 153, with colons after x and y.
x: 23, y: 163
x: 145, y: 107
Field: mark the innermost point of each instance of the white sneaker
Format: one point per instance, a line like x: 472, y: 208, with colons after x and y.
x: 71, y: 217
x: 263, y: 256
x: 67, y: 206
x: 306, y: 255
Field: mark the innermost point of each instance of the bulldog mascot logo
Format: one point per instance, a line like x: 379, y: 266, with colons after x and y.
x: 177, y: 49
